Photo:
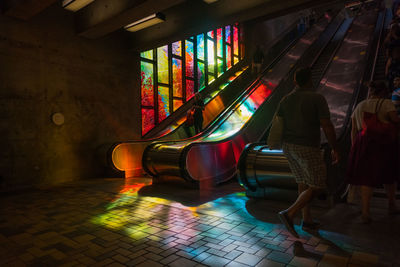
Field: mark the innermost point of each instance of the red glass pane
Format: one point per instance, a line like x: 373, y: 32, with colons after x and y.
x: 189, y: 89
x: 147, y: 120
x: 235, y: 40
x: 228, y: 57
x: 147, y: 83
x: 189, y: 59
x: 177, y: 104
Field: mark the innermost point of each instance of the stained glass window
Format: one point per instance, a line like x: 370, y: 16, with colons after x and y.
x: 163, y: 103
x: 220, y: 46
x: 189, y: 89
x: 220, y: 67
x: 200, y: 46
x: 147, y: 54
x: 147, y: 83
x: 201, y: 76
x: 235, y: 41
x: 210, y: 58
x: 189, y: 59
x: 211, y: 78
x: 177, y: 48
x: 228, y: 34
x: 147, y: 120
x: 182, y: 68
x: 228, y: 57
x: 162, y: 64
x: 177, y: 103
x: 177, y: 77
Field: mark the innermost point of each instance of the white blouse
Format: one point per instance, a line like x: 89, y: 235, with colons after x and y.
x: 369, y: 105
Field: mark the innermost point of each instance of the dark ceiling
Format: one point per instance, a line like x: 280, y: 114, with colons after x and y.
x: 183, y: 17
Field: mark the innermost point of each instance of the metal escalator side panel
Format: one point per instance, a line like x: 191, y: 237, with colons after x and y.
x: 211, y: 162
x: 159, y: 160
x: 128, y: 157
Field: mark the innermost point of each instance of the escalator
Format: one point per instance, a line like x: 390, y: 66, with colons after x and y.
x: 380, y: 57
x: 127, y: 156
x: 212, y: 156
x: 265, y: 173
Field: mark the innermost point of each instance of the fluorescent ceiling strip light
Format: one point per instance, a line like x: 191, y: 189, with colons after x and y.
x: 145, y: 22
x: 75, y: 5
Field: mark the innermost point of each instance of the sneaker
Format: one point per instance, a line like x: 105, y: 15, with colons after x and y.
x: 287, y: 223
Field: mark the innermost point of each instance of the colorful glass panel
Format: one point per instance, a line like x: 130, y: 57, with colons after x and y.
x: 200, y: 46
x: 189, y: 59
x: 147, y: 83
x: 177, y: 104
x: 163, y: 103
x: 235, y: 41
x: 177, y: 77
x: 162, y: 64
x: 210, y: 56
x: 220, y: 46
x: 228, y: 34
x: 211, y: 64
x: 211, y: 78
x: 177, y: 48
x: 147, y: 54
x: 235, y: 60
x: 220, y: 67
x: 147, y: 120
x: 200, y: 75
x: 228, y: 57
x: 189, y: 89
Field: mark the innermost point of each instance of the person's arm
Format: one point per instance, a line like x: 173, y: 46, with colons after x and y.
x: 330, y: 134
x: 353, y: 130
x: 389, y: 62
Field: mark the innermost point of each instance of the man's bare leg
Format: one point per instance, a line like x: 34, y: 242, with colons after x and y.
x: 306, y: 212
x: 302, y: 200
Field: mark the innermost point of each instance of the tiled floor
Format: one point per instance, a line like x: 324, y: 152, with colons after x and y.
x: 117, y: 222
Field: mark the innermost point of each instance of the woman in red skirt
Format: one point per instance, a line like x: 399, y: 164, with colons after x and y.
x: 374, y: 154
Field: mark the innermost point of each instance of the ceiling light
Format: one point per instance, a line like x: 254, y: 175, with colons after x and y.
x: 210, y: 1
x: 145, y: 22
x: 75, y: 5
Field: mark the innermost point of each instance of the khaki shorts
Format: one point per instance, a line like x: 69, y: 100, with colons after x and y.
x: 306, y: 164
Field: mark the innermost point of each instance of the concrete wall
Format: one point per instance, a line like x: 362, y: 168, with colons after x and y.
x: 45, y: 68
x: 265, y: 33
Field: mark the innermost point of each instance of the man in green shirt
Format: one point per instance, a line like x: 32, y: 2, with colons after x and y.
x: 303, y: 113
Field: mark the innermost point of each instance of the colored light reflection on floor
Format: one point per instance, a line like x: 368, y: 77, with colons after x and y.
x: 154, y: 218
x: 192, y: 230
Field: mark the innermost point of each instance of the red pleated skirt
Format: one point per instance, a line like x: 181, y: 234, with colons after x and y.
x: 373, y: 162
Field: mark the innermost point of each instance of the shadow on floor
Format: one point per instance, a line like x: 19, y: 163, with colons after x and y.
x: 188, y: 194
